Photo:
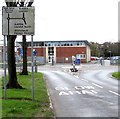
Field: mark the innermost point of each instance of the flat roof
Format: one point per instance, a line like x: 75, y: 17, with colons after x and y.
x: 62, y: 41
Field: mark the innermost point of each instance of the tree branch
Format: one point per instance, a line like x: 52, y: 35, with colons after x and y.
x: 30, y: 3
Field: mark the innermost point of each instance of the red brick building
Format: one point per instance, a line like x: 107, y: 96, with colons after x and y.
x: 60, y: 51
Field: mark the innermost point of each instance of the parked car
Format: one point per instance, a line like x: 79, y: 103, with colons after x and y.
x: 94, y: 58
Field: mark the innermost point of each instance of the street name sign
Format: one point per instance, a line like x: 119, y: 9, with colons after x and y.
x: 18, y: 20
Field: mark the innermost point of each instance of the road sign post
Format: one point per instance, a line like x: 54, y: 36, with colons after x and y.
x: 18, y: 21
x: 32, y: 68
x: 4, y: 67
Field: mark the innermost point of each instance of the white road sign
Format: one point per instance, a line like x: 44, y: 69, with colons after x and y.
x: 18, y: 20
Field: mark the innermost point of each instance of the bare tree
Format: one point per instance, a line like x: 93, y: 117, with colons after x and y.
x: 24, y: 44
x: 12, y: 83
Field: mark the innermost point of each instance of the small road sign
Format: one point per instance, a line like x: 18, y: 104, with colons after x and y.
x: 18, y: 20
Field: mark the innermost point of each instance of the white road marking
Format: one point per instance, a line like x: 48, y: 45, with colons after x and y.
x: 84, y: 80
x: 70, y: 92
x: 94, y: 91
x: 89, y: 87
x: 79, y: 87
x: 86, y: 92
x: 97, y: 85
x: 78, y: 92
x: 83, y: 87
x: 61, y: 88
x: 114, y: 93
x: 63, y: 93
x: 76, y: 76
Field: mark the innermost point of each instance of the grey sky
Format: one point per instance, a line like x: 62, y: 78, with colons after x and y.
x: 92, y: 20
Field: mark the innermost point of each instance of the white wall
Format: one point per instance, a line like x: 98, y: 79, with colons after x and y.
x: 88, y: 53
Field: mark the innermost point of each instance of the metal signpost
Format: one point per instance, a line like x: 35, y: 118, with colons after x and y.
x: 4, y: 57
x: 35, y: 56
x: 18, y: 21
x: 32, y: 68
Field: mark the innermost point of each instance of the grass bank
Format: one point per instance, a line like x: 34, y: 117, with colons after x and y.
x: 19, y: 101
x: 116, y: 75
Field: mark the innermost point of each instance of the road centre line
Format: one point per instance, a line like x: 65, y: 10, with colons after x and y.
x: 114, y: 93
x: 97, y: 85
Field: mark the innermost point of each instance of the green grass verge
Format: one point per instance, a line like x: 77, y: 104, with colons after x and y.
x: 19, y: 103
x: 116, y: 75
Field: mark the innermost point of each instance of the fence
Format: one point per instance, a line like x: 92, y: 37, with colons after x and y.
x: 115, y: 60
x: 63, y: 59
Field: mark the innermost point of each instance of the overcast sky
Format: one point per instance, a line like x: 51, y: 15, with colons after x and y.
x: 92, y: 20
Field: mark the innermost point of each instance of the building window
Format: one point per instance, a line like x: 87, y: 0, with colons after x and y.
x: 28, y: 44
x: 83, y: 43
x: 83, y: 55
x: 80, y: 56
x: 51, y: 50
x: 65, y: 44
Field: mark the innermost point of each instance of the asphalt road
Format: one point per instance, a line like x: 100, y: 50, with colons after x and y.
x: 91, y: 92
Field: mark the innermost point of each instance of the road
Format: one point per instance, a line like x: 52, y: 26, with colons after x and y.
x: 91, y: 92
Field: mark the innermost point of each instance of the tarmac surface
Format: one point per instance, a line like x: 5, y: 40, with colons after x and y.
x: 90, y: 92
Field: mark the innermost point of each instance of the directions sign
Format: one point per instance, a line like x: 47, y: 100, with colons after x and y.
x: 18, y: 20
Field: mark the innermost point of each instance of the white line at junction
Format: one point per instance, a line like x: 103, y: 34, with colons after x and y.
x: 97, y: 85
x: 76, y: 76
x: 114, y: 93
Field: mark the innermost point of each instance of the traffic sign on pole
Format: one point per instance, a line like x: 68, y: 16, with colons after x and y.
x: 18, y: 20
